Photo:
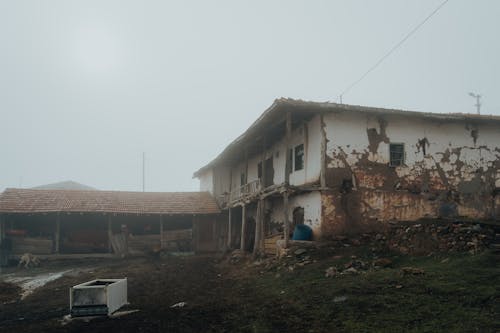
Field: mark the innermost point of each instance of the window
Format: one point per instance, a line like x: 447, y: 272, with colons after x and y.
x: 243, y: 179
x: 299, y: 157
x: 259, y: 170
x: 397, y: 154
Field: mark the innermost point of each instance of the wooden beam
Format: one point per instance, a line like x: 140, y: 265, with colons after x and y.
x: 243, y: 227
x: 288, y: 137
x: 57, y: 235
x: 162, y: 240
x: 322, y: 175
x: 258, y: 219
x: 246, y: 166
x: 229, y: 230
x: 286, y: 224
x: 110, y: 233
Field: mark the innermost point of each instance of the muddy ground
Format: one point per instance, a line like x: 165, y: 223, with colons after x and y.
x: 456, y: 293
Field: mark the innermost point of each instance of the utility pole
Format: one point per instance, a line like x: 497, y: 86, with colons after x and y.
x: 143, y: 171
x: 478, y: 101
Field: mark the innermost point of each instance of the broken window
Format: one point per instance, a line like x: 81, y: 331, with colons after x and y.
x: 397, y: 154
x: 299, y: 157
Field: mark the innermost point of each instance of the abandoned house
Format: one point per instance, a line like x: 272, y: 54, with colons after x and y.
x: 77, y: 222
x: 344, y: 169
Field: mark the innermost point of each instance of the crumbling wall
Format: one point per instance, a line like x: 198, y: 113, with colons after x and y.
x: 451, y: 169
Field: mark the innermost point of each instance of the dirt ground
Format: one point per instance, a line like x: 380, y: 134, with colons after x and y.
x: 292, y: 295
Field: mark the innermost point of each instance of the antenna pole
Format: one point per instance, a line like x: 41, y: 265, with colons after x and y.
x: 478, y: 104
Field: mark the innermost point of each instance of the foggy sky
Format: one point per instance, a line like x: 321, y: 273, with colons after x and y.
x: 87, y: 86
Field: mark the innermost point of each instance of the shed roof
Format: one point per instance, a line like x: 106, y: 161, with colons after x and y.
x: 280, y: 106
x: 169, y: 203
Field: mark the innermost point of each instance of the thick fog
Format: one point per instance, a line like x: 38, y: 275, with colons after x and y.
x: 87, y: 86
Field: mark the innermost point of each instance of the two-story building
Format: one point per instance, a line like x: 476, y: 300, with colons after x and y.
x: 345, y: 169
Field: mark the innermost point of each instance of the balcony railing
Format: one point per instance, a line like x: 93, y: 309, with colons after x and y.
x: 242, y: 192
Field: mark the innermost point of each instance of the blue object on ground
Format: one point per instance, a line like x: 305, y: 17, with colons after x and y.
x: 302, y: 232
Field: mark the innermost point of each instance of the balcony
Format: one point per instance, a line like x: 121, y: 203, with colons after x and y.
x: 243, y: 192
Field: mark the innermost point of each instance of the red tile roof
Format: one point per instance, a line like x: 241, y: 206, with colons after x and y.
x: 168, y: 203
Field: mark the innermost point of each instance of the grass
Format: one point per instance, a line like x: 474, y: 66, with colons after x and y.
x: 459, y: 294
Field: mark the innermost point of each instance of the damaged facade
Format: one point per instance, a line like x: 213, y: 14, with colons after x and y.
x: 344, y: 169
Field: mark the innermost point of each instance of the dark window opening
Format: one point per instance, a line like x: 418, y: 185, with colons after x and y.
x: 259, y: 170
x: 299, y: 157
x: 397, y: 154
x: 243, y: 179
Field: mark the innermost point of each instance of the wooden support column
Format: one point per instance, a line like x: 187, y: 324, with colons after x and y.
x: 57, y: 234
x: 229, y: 230
x: 110, y: 233
x: 2, y: 231
x: 2, y: 236
x: 288, y: 170
x: 162, y: 239
x: 286, y: 227
x: 322, y: 175
x: 258, y: 224
x: 246, y: 166
x: 243, y: 227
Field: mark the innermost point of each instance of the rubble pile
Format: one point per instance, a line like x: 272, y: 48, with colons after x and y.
x: 421, y: 238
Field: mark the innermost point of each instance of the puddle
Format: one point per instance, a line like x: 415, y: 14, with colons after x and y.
x: 30, y: 283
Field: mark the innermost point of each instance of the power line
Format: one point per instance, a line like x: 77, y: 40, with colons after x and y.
x: 394, y: 48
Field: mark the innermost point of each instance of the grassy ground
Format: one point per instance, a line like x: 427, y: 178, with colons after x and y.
x: 456, y: 293
x: 459, y: 293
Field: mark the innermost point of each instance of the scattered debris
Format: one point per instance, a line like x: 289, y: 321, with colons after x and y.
x: 300, y: 251
x: 178, y: 305
x: 331, y: 271
x: 412, y: 271
x: 339, y: 299
x: 382, y: 262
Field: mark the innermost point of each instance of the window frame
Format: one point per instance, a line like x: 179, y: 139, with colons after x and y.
x: 402, y: 160
x: 294, y: 158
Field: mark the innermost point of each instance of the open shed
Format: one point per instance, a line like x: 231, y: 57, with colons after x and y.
x: 76, y: 222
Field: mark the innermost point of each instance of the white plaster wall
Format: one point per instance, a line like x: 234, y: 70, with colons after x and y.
x: 206, y: 181
x: 310, y: 136
x: 221, y: 176
x: 311, y: 202
x: 348, y: 133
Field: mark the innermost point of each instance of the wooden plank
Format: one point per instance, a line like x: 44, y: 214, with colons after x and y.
x: 288, y: 137
x: 229, y: 230
x: 57, y: 236
x: 322, y: 175
x: 162, y: 236
x: 258, y: 218
x: 243, y: 227
x: 286, y: 227
x: 110, y: 234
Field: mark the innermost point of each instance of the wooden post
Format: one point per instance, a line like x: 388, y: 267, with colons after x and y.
x: 110, y: 234
x: 243, y: 227
x: 263, y: 183
x: 322, y: 175
x: 286, y: 226
x: 2, y: 232
x: 288, y: 136
x: 246, y: 166
x: 258, y: 217
x: 229, y: 230
x: 288, y: 170
x: 57, y: 236
x: 162, y: 239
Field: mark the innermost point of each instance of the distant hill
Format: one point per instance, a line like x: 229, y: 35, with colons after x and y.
x: 66, y: 185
